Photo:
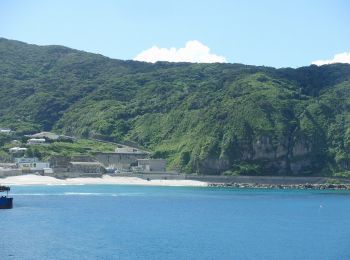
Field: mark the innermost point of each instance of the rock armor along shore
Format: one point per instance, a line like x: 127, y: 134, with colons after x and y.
x: 306, y: 186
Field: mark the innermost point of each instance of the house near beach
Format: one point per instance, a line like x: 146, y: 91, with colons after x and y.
x: 51, y: 136
x: 122, y: 158
x: 31, y: 164
x: 17, y: 149
x: 45, y: 135
x: 5, y: 131
x: 36, y: 141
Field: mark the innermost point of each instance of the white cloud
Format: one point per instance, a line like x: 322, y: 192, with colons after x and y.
x: 194, y: 51
x: 338, y: 58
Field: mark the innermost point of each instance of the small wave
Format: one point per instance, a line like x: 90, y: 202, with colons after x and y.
x: 64, y: 184
x: 87, y: 194
x: 35, y: 194
x: 79, y: 194
x: 101, y: 194
x: 131, y: 194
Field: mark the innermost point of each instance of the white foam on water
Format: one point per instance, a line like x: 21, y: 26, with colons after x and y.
x: 35, y: 194
x: 79, y: 194
x: 87, y: 194
x: 101, y: 194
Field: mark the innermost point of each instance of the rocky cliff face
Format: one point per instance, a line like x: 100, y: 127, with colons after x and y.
x: 213, y: 166
x: 284, y: 158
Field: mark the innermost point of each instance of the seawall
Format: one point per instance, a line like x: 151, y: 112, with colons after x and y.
x: 272, y: 180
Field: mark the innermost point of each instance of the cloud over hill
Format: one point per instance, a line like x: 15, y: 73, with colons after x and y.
x: 338, y: 58
x: 194, y: 51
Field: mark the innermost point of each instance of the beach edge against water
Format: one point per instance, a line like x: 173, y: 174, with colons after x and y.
x: 32, y: 179
x: 259, y: 182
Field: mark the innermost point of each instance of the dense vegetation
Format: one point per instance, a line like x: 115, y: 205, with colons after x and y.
x: 207, y: 118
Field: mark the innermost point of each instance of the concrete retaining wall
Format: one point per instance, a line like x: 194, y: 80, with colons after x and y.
x: 260, y: 179
x: 12, y: 172
x: 118, y: 160
x: 236, y: 179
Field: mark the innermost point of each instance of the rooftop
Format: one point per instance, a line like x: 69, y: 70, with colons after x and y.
x: 86, y: 163
x: 150, y: 159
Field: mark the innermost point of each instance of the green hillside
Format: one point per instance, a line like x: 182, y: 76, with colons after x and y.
x: 206, y: 118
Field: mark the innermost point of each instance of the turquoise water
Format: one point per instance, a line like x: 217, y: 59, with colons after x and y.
x: 138, y: 222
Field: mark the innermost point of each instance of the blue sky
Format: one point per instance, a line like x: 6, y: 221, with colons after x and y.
x: 271, y: 32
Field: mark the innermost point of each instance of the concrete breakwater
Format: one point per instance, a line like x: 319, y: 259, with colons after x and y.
x: 306, y: 186
x: 277, y: 182
x: 266, y: 180
x: 232, y: 179
x: 262, y: 182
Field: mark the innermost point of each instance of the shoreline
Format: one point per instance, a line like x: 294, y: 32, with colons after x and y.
x: 242, y: 182
x: 32, y: 179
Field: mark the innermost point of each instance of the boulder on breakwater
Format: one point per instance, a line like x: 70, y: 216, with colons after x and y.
x: 305, y: 186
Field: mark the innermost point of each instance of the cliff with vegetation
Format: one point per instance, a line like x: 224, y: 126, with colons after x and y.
x: 206, y: 118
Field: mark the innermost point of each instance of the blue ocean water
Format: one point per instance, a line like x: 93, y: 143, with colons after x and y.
x: 139, y: 222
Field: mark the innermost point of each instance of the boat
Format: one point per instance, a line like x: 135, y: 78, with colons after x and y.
x: 5, y: 201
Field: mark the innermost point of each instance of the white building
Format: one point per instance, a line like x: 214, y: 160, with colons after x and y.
x: 48, y: 170
x: 5, y: 131
x: 33, y: 141
x: 31, y: 164
x: 18, y: 150
x: 127, y: 150
x: 48, y: 135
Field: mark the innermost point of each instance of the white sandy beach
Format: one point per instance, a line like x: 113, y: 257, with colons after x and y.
x: 32, y: 179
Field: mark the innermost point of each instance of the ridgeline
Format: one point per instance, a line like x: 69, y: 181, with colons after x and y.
x: 207, y: 118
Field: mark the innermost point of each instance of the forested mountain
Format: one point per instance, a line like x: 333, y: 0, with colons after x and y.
x: 206, y: 118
